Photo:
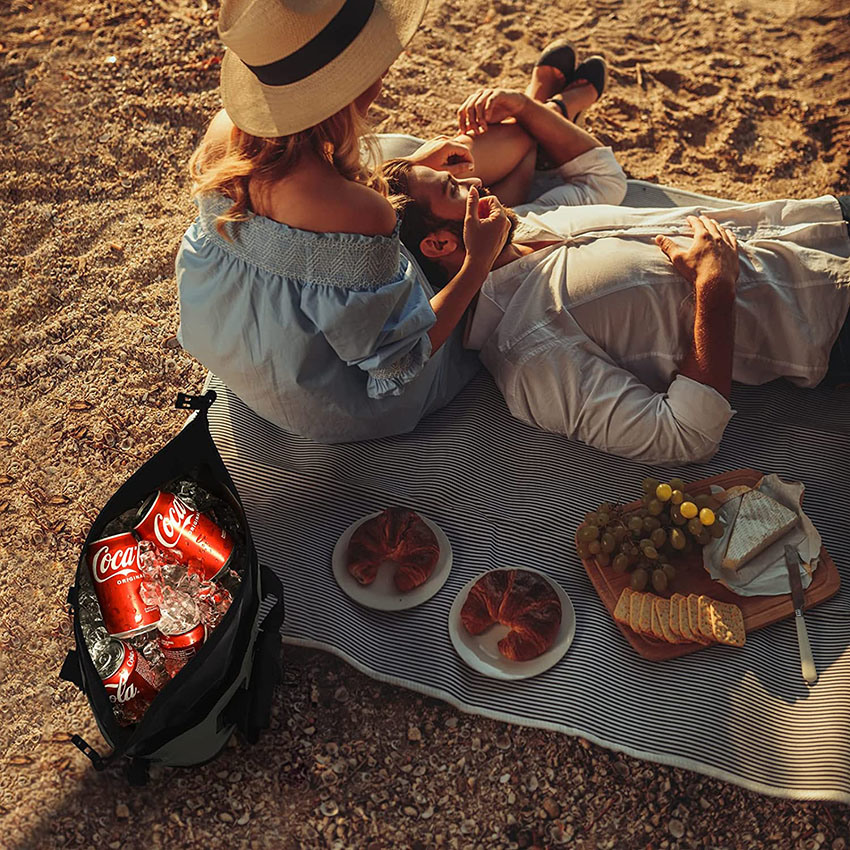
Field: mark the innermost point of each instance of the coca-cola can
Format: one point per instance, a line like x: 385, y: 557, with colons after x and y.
x: 178, y: 649
x: 131, y: 685
x: 189, y: 535
x: 114, y: 565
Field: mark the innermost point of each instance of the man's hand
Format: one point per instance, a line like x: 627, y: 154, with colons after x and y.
x: 488, y: 106
x: 712, y: 260
x: 484, y: 237
x: 711, y: 265
x: 445, y: 154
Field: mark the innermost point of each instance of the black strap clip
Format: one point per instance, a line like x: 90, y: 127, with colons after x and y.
x: 195, y: 402
x: 88, y: 751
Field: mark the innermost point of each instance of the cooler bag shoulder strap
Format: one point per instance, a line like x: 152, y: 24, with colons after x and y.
x: 71, y: 670
x: 250, y: 709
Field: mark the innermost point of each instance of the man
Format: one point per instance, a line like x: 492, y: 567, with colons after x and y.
x: 624, y: 328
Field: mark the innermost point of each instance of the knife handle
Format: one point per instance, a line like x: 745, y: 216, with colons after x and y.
x: 807, y: 663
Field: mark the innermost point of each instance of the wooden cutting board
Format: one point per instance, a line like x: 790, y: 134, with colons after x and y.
x: 691, y: 577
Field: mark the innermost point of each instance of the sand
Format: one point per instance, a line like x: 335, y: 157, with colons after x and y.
x: 102, y: 103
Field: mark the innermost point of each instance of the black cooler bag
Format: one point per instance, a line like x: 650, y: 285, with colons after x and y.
x: 229, y: 684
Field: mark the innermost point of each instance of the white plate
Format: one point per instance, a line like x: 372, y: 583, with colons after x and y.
x: 382, y: 594
x: 481, y: 652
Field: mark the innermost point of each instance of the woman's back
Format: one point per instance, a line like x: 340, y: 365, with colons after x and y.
x: 294, y: 287
x: 312, y: 196
x: 305, y: 303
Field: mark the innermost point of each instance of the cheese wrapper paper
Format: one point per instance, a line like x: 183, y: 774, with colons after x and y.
x: 766, y: 574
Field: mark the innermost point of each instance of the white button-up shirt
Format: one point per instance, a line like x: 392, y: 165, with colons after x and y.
x: 584, y: 336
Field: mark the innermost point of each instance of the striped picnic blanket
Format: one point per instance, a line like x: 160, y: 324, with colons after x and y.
x: 509, y: 495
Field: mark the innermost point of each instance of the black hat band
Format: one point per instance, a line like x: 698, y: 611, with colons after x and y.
x: 322, y: 49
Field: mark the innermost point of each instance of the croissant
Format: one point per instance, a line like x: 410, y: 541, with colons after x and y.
x: 522, y: 600
x: 399, y: 535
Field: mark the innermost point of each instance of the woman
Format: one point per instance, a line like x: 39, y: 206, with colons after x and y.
x: 294, y: 288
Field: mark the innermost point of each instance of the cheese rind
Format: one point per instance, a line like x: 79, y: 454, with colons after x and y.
x: 761, y: 521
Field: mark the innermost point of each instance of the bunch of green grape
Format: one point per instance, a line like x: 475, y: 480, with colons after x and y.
x: 644, y: 540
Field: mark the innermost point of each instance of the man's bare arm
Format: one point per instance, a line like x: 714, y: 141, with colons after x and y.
x: 560, y: 139
x: 711, y: 265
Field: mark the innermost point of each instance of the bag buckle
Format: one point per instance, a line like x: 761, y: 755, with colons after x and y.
x: 195, y: 402
x: 87, y: 750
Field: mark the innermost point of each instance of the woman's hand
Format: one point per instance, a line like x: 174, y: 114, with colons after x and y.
x: 711, y: 262
x: 489, y: 106
x: 445, y: 154
x: 484, y: 237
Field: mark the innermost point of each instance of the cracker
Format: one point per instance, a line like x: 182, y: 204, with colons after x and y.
x: 693, y: 619
x: 684, y: 623
x: 634, y: 612
x: 662, y: 612
x: 704, y: 604
x: 654, y: 625
x: 621, y: 612
x: 675, y: 626
x: 645, y: 621
x: 727, y: 623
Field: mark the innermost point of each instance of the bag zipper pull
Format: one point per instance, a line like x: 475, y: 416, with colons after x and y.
x: 87, y: 750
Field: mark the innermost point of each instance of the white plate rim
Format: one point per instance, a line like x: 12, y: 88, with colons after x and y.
x: 506, y: 669
x: 365, y: 594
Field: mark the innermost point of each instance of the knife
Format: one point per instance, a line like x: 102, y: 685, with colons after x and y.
x: 807, y: 663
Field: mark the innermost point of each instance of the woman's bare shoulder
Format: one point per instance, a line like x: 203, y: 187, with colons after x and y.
x: 333, y: 205
x: 363, y: 210
x: 219, y: 129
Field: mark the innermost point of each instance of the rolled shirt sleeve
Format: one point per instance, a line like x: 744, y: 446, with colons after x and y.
x: 572, y: 387
x: 594, y: 177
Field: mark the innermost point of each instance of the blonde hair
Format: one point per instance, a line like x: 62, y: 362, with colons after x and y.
x: 229, y: 169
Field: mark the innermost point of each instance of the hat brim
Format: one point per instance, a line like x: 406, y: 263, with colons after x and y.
x: 271, y: 111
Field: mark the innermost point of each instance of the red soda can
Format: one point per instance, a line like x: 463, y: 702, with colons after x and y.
x: 114, y: 565
x: 178, y: 649
x: 187, y: 534
x: 130, y: 683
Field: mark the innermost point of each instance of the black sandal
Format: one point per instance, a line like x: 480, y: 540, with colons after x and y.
x: 595, y: 71
x: 561, y: 55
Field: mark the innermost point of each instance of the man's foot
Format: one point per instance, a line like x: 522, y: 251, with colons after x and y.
x: 584, y: 91
x: 552, y: 71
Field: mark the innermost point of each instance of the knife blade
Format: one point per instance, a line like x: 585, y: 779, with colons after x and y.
x: 807, y: 662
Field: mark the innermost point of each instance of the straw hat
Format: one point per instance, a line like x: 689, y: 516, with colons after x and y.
x: 291, y: 64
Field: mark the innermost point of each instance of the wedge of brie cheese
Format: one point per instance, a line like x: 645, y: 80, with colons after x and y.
x: 761, y: 520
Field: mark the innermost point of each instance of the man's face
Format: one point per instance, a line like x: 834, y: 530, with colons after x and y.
x: 441, y: 193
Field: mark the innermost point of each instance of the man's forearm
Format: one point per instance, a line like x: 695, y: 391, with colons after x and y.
x: 559, y: 138
x: 710, y: 359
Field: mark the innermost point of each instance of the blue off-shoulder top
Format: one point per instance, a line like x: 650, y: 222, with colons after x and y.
x: 323, y: 334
